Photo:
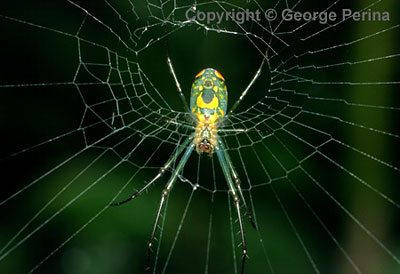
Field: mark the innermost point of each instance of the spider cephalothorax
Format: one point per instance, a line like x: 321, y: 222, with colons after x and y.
x: 206, y: 137
x: 208, y: 102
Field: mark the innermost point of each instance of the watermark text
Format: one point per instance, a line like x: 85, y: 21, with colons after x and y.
x: 323, y: 17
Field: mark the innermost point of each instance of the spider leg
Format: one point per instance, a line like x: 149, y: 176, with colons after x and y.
x: 167, y: 189
x: 180, y: 124
x: 232, y: 190
x: 243, y: 130
x: 265, y: 57
x: 171, y: 68
x: 171, y: 160
x: 237, y: 182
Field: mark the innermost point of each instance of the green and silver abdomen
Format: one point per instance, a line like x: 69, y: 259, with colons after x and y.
x: 209, y: 95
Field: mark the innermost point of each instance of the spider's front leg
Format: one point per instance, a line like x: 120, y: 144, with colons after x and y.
x: 171, y: 160
x: 236, y: 200
x: 237, y: 182
x: 165, y: 193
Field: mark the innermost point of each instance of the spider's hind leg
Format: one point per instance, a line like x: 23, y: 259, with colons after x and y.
x: 171, y: 69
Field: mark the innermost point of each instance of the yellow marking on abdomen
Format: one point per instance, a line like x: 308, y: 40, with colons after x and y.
x: 212, y: 105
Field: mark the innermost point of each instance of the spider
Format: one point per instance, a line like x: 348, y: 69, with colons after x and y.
x: 208, y: 106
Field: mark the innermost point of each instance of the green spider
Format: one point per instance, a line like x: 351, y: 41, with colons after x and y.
x: 208, y: 104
